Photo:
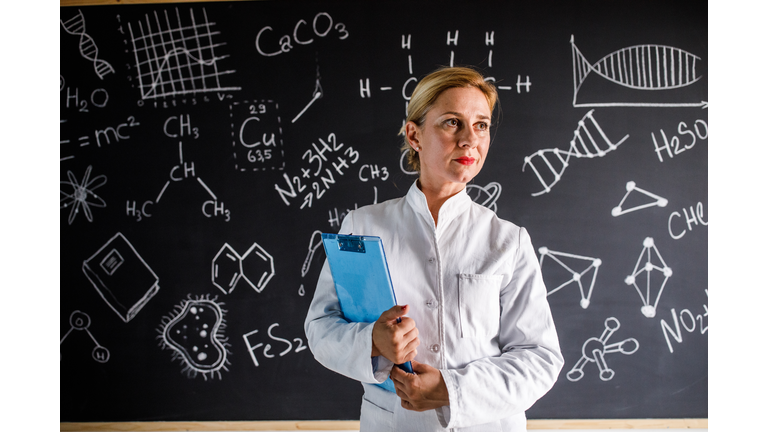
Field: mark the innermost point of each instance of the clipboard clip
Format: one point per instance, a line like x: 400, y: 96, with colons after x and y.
x: 352, y: 244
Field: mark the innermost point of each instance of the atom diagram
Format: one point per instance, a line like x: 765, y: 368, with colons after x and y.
x: 82, y: 194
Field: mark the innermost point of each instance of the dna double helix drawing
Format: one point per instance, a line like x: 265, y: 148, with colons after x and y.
x: 589, y: 141
x: 88, y: 49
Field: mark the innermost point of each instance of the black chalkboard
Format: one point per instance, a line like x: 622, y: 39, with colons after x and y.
x: 204, y: 145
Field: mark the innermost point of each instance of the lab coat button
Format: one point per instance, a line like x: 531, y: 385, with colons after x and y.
x: 431, y: 260
x: 432, y: 303
x: 435, y: 348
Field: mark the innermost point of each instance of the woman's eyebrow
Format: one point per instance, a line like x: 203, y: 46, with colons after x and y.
x: 457, y: 114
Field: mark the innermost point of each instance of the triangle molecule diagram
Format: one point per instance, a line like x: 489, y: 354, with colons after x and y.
x: 632, y: 187
x: 575, y: 276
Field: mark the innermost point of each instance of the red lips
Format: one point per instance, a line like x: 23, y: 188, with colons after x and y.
x: 465, y: 160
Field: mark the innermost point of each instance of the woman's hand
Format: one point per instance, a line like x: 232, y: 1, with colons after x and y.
x: 422, y: 390
x: 397, y: 341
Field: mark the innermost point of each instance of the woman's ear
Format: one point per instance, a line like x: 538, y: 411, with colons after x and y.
x: 413, y: 135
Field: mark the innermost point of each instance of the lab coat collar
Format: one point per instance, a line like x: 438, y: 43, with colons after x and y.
x: 451, y: 208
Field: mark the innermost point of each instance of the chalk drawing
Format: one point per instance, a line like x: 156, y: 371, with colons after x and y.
x: 177, y: 58
x: 228, y: 268
x: 651, y: 265
x: 552, y: 162
x: 631, y: 187
x: 121, y: 277
x: 593, y: 263
x: 82, y: 194
x: 80, y: 321
x: 595, y: 349
x: 257, y: 135
x: 314, y: 244
x: 485, y: 196
x: 88, y: 49
x: 639, y: 67
x: 194, y: 332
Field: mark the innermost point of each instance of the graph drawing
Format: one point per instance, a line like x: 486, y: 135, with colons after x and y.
x: 176, y: 56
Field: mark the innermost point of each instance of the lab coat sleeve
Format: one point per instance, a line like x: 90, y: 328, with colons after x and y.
x: 337, y: 344
x: 492, y: 388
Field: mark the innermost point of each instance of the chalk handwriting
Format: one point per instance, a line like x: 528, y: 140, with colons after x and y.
x: 335, y: 217
x: 257, y: 136
x: 317, y: 177
x: 98, y: 98
x: 182, y: 172
x: 673, y: 144
x: 282, y: 348
x: 689, y: 322
x: 322, y: 26
x: 694, y: 218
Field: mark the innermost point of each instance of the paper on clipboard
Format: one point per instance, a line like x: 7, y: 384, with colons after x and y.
x: 361, y: 276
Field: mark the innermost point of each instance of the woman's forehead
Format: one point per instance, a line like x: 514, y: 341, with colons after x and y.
x: 464, y: 101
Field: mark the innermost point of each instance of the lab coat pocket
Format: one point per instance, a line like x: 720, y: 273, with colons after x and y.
x: 479, y: 308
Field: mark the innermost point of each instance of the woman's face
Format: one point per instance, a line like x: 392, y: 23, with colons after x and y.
x: 453, y: 141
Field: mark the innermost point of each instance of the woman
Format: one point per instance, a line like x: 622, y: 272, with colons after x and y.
x: 478, y: 330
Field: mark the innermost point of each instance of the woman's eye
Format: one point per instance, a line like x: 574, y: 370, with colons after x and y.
x: 452, y: 122
x: 483, y: 126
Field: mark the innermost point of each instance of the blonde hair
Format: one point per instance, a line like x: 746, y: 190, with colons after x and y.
x: 430, y: 88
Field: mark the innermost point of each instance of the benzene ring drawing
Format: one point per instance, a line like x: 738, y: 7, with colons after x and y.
x: 228, y: 267
x: 194, y: 331
x: 595, y: 349
x: 648, y: 309
x: 552, y: 162
x: 594, y: 263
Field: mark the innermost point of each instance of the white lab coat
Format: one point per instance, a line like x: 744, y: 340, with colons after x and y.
x: 475, y: 291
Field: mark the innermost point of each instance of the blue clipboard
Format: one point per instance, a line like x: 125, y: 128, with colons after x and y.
x: 363, y: 284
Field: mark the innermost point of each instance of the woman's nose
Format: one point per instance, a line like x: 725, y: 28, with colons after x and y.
x: 468, y: 138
